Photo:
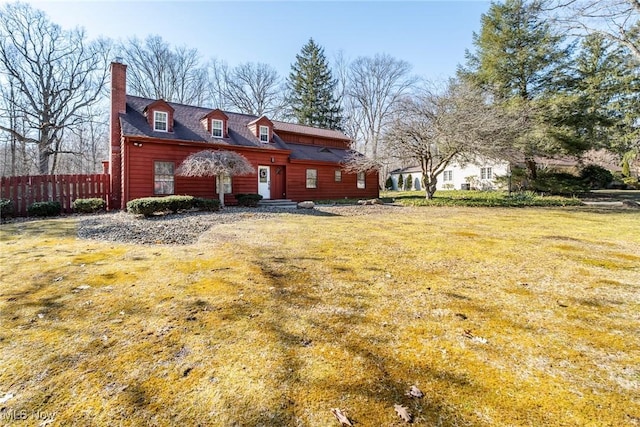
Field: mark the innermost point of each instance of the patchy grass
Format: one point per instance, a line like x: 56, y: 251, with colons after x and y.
x: 501, y: 317
x: 480, y: 199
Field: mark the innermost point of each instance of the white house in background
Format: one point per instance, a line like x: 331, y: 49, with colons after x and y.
x: 472, y: 176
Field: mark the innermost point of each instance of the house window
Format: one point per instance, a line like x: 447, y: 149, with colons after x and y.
x: 163, y: 179
x: 226, y: 183
x: 216, y: 128
x: 338, y: 175
x: 264, y: 133
x: 448, y: 176
x: 486, y: 173
x: 361, y: 180
x: 160, y: 121
x: 312, y: 178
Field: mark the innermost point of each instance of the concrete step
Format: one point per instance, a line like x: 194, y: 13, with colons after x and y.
x: 278, y: 203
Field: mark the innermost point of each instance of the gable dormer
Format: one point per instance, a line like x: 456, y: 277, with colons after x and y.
x: 216, y: 123
x: 262, y: 128
x: 159, y: 115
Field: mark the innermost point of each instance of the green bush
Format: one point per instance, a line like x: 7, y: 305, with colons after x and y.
x: 559, y: 183
x: 408, y: 183
x: 148, y: 206
x: 250, y: 200
x: 92, y: 205
x: 596, y: 177
x: 400, y: 182
x: 44, y: 209
x: 179, y: 203
x: 210, y: 205
x: 388, y: 184
x: 6, y: 208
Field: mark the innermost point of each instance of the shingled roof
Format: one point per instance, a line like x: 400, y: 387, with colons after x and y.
x: 308, y: 130
x: 187, y: 126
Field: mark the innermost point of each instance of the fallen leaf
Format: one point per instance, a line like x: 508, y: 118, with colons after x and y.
x: 342, y: 418
x: 403, y: 412
x: 561, y: 304
x: 415, y: 392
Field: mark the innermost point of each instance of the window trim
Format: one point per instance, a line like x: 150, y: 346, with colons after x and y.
x: 260, y: 134
x: 156, y: 114
x: 361, y: 180
x: 224, y: 183
x: 337, y: 175
x: 486, y: 173
x: 156, y: 180
x: 215, y: 128
x: 447, y: 176
x: 313, y: 179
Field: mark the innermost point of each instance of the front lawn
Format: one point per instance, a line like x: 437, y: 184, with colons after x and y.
x: 500, y: 316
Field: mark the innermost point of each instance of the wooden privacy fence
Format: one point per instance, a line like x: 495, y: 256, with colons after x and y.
x: 25, y: 190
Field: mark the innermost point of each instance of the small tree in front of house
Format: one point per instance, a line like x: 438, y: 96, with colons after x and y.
x: 216, y: 163
x: 408, y: 182
x: 400, y: 182
x: 388, y: 185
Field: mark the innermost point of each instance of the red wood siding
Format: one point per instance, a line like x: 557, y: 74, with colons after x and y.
x: 327, y: 188
x: 139, y: 181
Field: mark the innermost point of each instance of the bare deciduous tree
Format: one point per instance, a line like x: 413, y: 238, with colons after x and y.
x: 56, y: 75
x: 255, y: 88
x: 216, y: 163
x: 159, y: 71
x: 617, y: 20
x: 250, y: 88
x: 375, y: 87
x: 435, y: 127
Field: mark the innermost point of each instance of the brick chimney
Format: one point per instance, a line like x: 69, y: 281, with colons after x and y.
x: 118, y: 105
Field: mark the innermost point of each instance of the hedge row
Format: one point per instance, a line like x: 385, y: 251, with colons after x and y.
x: 51, y: 208
x: 148, y: 206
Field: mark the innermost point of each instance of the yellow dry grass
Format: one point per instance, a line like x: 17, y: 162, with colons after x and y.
x: 524, y: 317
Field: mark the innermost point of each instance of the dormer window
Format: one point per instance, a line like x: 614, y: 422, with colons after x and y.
x: 217, y: 128
x: 160, y: 121
x: 264, y: 133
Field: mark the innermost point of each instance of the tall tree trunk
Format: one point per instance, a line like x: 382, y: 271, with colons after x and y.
x: 531, y: 168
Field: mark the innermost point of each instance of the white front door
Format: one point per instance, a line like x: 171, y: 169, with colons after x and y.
x: 264, y: 182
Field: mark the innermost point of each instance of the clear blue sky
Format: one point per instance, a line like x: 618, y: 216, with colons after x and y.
x: 431, y: 35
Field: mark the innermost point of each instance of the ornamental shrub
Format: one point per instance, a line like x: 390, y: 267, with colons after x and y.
x: 596, y: 177
x: 148, y: 206
x: 92, y: 205
x: 559, y: 183
x: 400, y: 182
x: 210, y: 205
x: 388, y: 185
x: 249, y: 200
x: 44, y: 209
x: 179, y: 203
x: 408, y: 183
x: 6, y: 208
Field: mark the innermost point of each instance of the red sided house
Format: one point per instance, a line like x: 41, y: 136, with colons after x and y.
x: 150, y: 138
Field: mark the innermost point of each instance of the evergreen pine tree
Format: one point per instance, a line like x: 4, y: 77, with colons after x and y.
x: 400, y: 183
x: 388, y: 185
x: 408, y: 183
x: 312, y: 88
x: 519, y: 60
